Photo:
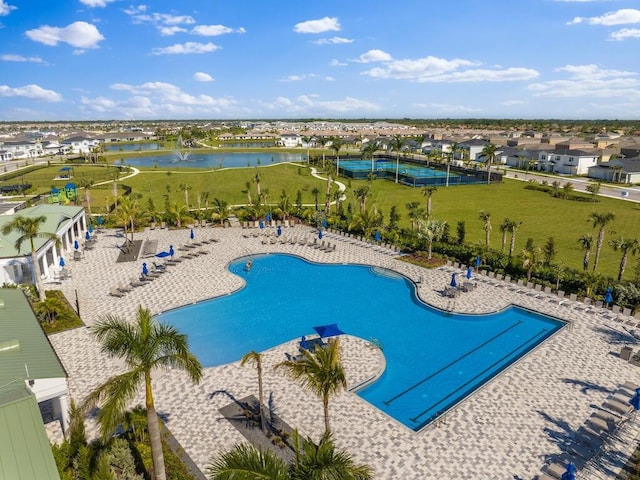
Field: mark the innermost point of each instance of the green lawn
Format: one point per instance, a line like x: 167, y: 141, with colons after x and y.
x: 541, y: 214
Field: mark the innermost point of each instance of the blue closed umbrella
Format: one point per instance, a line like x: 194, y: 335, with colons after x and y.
x: 454, y: 283
x: 87, y: 235
x: 320, y: 234
x: 62, y: 264
x: 268, y: 216
x: 163, y: 254
x: 145, y: 270
x: 192, y: 235
x: 570, y: 473
x: 469, y: 273
x: 261, y: 223
x: 76, y: 245
x: 91, y: 229
x: 635, y: 401
x: 324, y: 223
x: 608, y: 297
x: 478, y: 261
x: 279, y: 230
x: 376, y: 236
x: 172, y: 252
x: 100, y: 221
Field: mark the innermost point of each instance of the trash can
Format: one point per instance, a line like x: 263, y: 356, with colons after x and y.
x: 625, y: 353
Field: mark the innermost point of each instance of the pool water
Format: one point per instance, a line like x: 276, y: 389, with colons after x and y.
x: 434, y: 359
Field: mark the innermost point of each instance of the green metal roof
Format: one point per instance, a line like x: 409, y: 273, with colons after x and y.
x: 56, y: 215
x: 25, y: 451
x: 22, y: 342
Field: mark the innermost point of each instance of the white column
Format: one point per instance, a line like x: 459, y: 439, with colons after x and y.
x: 45, y: 265
x: 60, y: 407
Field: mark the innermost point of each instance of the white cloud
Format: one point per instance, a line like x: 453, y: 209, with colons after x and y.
x: 167, y: 31
x: 297, y: 78
x: 215, y: 30
x: 34, y: 92
x: 77, y: 34
x: 590, y: 81
x: 512, y: 103
x: 168, y: 19
x: 329, y: 79
x: 5, y: 8
x: 19, y: 58
x: 619, y: 17
x: 325, y: 24
x: 186, y: 48
x: 375, y: 56
x: 202, y: 77
x: 337, y: 63
x: 442, y: 108
x: 332, y: 41
x: 625, y: 33
x: 155, y: 100
x: 96, y: 3
x: 310, y: 104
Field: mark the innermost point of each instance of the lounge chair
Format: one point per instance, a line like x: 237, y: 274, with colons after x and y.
x: 116, y: 293
x: 123, y: 288
x: 617, y: 407
x: 134, y: 282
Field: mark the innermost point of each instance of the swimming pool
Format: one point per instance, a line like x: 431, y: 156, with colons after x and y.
x: 434, y: 359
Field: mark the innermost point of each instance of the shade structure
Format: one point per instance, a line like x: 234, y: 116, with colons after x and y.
x: 469, y: 269
x: 54, y: 191
x: 330, y: 330
x: 76, y: 245
x: 70, y: 186
x: 163, y: 254
x: 172, y: 252
x: 608, y: 297
x: 454, y: 282
x: 65, y: 169
x: 478, y: 261
x: 61, y: 262
x: 192, y: 235
x: 570, y: 472
x: 145, y: 270
x: 320, y: 234
x: 279, y: 230
x: 376, y: 236
x: 87, y: 235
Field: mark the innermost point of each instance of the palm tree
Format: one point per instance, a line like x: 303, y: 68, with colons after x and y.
x: 185, y: 188
x: 428, y: 191
x: 626, y: 246
x: 451, y: 155
x: 307, y: 140
x: 256, y: 179
x: 178, y: 214
x: 586, y: 242
x: 368, y: 151
x: 504, y: 228
x: 247, y: 190
x: 397, y: 142
x: 489, y: 154
x: 361, y: 194
x: 320, y: 371
x: 600, y: 220
x: 336, y: 145
x: 312, y: 462
x: 130, y: 214
x: 86, y: 184
x: 432, y: 231
x: 28, y: 228
x: 144, y: 346
x: 366, y: 221
x: 486, y: 218
x: 415, y: 212
x: 322, y: 142
x: 531, y: 258
x: 327, y: 199
x: 315, y: 191
x: 221, y: 208
x: 513, y: 228
x: 256, y: 358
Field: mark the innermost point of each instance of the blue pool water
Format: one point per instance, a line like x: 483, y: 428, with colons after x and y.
x: 215, y: 160
x: 434, y: 359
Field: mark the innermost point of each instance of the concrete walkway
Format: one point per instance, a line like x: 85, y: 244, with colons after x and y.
x: 508, y: 429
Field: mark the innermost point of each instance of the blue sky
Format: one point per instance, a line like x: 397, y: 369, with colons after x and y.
x: 220, y: 59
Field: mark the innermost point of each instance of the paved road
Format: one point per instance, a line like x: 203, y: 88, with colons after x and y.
x: 580, y: 184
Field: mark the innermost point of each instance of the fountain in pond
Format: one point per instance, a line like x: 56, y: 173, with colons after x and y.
x: 181, y: 153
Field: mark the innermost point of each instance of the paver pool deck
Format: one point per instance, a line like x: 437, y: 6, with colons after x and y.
x: 507, y: 429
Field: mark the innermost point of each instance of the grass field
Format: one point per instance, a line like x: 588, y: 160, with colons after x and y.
x: 541, y: 215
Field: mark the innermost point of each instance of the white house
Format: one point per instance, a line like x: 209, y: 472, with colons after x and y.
x: 21, y: 148
x: 81, y: 144
x: 67, y: 222
x: 568, y: 162
x: 290, y: 140
x: 618, y: 170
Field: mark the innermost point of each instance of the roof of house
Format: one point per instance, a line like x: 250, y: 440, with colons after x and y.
x: 25, y: 451
x: 56, y: 216
x: 23, y: 344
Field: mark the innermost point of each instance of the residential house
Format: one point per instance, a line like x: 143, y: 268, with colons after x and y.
x: 472, y: 148
x: 618, y: 170
x: 21, y: 148
x: 67, y: 222
x: 567, y: 162
x: 80, y: 144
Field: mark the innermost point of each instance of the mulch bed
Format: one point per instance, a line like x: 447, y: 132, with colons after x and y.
x: 242, y: 415
x: 129, y: 251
